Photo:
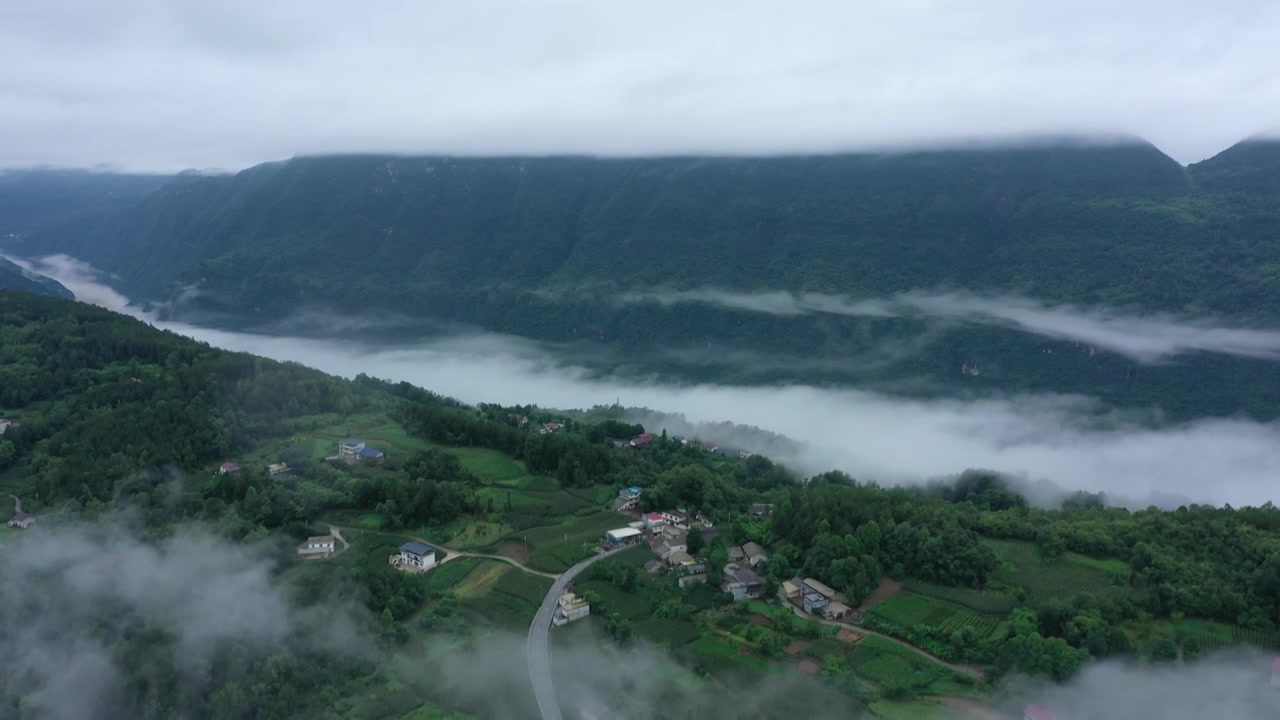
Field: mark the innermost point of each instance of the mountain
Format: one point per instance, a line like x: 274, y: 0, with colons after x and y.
x: 550, y: 248
x: 13, y: 277
x: 32, y: 199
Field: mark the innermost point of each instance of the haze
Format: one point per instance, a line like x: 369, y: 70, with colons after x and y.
x: 157, y: 85
x: 1072, y: 443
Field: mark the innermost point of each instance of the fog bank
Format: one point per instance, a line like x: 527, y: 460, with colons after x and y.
x: 1074, y: 442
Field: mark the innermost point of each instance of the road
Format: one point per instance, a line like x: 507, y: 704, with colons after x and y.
x: 538, y: 655
x: 450, y: 553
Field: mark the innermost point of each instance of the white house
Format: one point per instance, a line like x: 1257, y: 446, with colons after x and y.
x: 4, y: 425
x: 675, y: 518
x: 277, y: 469
x: 570, y: 607
x: 22, y: 521
x: 320, y: 546
x: 350, y: 447
x: 622, y: 536
x: 415, y: 557
x: 754, y: 553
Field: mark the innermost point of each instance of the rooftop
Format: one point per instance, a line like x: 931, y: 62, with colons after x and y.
x: 819, y: 587
x: 752, y: 549
x: 654, y: 516
x: 413, y: 547
x: 370, y: 452
x: 320, y: 539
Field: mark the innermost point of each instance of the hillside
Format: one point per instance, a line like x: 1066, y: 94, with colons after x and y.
x: 123, y: 428
x: 546, y: 248
x: 13, y: 277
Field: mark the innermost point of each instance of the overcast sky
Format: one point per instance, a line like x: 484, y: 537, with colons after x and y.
x: 173, y: 84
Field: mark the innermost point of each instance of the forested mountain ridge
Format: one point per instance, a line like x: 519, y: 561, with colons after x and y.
x: 542, y: 248
x: 13, y: 277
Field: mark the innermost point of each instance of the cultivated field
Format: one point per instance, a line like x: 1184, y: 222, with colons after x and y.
x: 1021, y: 565
x: 912, y: 610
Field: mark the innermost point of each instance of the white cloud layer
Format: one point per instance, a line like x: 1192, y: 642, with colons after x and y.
x: 1071, y: 442
x: 170, y: 84
x: 1148, y: 339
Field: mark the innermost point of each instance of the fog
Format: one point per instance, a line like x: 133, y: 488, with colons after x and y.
x: 1075, y: 443
x: 1143, y: 338
x: 166, y: 85
x: 1232, y: 685
x: 67, y: 593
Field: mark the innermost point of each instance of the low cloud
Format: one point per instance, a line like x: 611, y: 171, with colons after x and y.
x: 1231, y: 686
x: 1075, y: 443
x: 67, y: 592
x: 1146, y: 339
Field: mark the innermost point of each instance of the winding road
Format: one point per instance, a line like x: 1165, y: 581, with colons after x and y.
x: 536, y: 651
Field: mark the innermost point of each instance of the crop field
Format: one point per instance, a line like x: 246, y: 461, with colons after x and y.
x: 909, y: 610
x: 825, y: 647
x: 987, y: 603
x: 444, y: 577
x: 512, y: 600
x: 667, y: 632
x: 1205, y: 637
x: 886, y: 663
x: 1022, y: 566
x: 557, y: 547
x: 629, y: 605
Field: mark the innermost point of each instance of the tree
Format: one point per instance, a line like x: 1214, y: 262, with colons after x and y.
x: 695, y: 541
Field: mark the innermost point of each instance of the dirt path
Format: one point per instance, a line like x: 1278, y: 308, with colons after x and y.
x: 887, y: 587
x: 17, y: 505
x: 451, y: 554
x: 971, y: 671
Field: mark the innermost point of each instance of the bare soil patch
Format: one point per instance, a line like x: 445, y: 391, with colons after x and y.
x: 514, y: 550
x: 796, y: 646
x: 850, y: 636
x: 761, y: 620
x: 809, y: 666
x: 886, y: 588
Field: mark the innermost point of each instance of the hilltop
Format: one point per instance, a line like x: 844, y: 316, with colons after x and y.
x: 551, y: 248
x: 955, y: 586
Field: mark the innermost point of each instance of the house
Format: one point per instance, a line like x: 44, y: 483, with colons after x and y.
x: 653, y: 566
x: 755, y: 553
x: 680, y: 439
x: 550, y: 427
x: 642, y: 440
x: 278, y: 469
x: 627, y: 499
x: 415, y: 557
x: 790, y: 590
x: 670, y: 533
x: 736, y: 554
x: 350, y: 447
x: 1036, y: 712
x: 742, y: 582
x: 653, y: 520
x: 22, y: 520
x: 676, y: 518
x: 835, y: 610
x: 710, y: 446
x: 663, y: 551
x: 622, y: 536
x: 570, y: 607
x: 1275, y: 672
x: 519, y: 420
x: 320, y: 546
x: 5, y: 425
x: 760, y: 510
x: 815, y: 595
x: 685, y: 564
x: 370, y: 455
x: 228, y: 467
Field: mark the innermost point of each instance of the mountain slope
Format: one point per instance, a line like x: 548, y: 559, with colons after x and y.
x: 13, y: 277
x: 543, y: 247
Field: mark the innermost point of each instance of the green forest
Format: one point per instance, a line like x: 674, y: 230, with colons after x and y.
x: 961, y: 586
x: 543, y: 247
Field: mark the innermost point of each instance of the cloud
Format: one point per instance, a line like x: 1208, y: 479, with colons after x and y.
x: 160, y: 85
x: 1075, y: 443
x: 1232, y: 685
x: 1146, y: 339
x: 67, y: 591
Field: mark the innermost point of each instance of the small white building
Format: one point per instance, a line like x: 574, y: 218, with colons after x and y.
x: 320, y: 546
x: 4, y: 425
x: 350, y: 447
x: 675, y: 518
x: 570, y: 607
x: 622, y: 536
x: 22, y: 521
x: 414, y: 557
x: 276, y: 469
x: 754, y: 553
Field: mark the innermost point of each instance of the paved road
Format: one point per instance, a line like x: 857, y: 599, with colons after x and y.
x: 538, y: 655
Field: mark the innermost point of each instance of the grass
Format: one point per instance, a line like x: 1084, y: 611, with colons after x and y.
x: 512, y: 600
x: 447, y: 575
x: 322, y: 433
x: 981, y: 601
x: 1021, y: 565
x: 612, y: 600
x: 673, y: 633
x: 911, y: 610
x: 914, y: 710
x: 475, y: 533
x: 555, y: 548
x: 889, y: 664
x: 1206, y: 636
x: 481, y: 576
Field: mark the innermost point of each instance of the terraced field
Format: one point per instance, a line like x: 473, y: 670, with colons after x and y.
x: 1021, y: 565
x: 987, y: 603
x: 912, y: 610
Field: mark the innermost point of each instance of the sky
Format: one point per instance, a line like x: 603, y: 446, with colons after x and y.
x: 167, y: 85
x: 1052, y: 443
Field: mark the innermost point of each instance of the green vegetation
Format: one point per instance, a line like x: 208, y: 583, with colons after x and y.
x: 985, y: 602
x: 1046, y: 578
x: 912, y: 610
x: 897, y: 669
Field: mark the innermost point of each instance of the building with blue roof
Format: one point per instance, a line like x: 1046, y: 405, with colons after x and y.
x: 414, y: 557
x: 369, y: 454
